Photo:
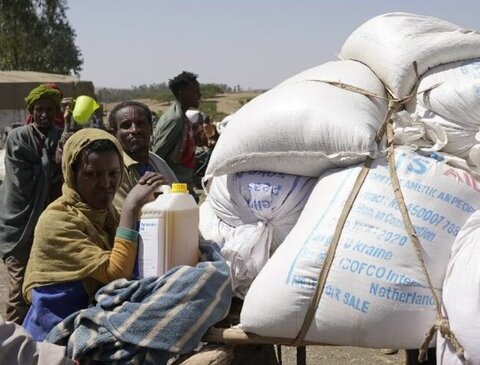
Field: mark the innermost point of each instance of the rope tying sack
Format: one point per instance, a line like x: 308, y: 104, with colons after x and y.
x: 393, y: 105
x: 442, y: 324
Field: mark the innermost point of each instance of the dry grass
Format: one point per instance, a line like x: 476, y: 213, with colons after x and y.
x: 226, y: 103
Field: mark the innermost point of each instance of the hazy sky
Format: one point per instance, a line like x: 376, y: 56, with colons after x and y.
x: 252, y: 43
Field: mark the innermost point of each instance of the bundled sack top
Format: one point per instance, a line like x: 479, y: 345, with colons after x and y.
x: 390, y: 43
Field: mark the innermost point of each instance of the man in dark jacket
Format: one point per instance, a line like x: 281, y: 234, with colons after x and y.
x: 173, y: 135
x: 32, y: 181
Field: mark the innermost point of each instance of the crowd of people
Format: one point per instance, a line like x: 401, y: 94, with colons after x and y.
x: 71, y: 201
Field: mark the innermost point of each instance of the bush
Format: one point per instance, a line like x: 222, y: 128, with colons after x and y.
x: 209, y: 107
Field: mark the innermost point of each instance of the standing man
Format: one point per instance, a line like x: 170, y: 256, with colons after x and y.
x: 131, y: 123
x: 32, y: 181
x: 173, y: 136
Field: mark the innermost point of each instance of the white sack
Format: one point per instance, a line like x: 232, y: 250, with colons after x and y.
x: 211, y: 227
x: 246, y: 248
x: 249, y: 197
x: 376, y: 295
x: 303, y: 126
x: 461, y: 293
x: 249, y: 214
x: 389, y: 44
x: 449, y: 97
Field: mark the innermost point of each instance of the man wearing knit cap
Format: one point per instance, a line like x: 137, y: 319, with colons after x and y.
x: 32, y: 181
x: 60, y: 117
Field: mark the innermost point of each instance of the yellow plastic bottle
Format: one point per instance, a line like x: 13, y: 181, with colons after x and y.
x: 168, y: 232
x: 84, y: 108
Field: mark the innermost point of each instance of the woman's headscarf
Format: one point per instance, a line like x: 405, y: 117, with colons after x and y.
x: 72, y: 239
x: 72, y: 148
x: 44, y: 91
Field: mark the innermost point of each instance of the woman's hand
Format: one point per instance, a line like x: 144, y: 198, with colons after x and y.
x: 144, y: 192
x: 152, y: 177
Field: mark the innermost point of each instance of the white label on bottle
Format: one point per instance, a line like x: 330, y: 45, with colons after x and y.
x: 150, y: 255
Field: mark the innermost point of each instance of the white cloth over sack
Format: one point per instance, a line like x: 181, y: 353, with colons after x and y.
x: 304, y: 126
x: 448, y: 100
x: 390, y: 43
x: 461, y: 293
x: 376, y: 294
x: 410, y: 130
x: 249, y: 214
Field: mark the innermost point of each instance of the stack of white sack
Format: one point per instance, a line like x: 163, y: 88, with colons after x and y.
x: 390, y: 43
x: 376, y: 294
x: 461, y: 293
x: 249, y: 214
x: 304, y: 126
x: 445, y: 114
x: 328, y: 117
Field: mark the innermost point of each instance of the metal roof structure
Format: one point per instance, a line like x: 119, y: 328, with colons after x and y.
x: 15, y: 86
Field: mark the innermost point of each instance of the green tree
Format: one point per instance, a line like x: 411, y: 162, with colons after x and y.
x: 35, y: 35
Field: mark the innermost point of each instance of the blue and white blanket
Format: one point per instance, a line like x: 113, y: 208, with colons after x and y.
x: 147, y: 321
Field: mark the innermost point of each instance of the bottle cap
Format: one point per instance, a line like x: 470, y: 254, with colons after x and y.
x: 179, y: 188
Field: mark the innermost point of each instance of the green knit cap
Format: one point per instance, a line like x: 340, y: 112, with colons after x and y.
x: 43, y: 91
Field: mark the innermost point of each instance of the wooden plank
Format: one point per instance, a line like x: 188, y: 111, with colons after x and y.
x: 235, y: 335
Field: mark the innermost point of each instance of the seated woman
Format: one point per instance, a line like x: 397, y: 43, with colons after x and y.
x: 80, y: 242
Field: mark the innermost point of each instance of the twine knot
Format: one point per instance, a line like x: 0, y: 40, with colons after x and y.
x: 442, y: 325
